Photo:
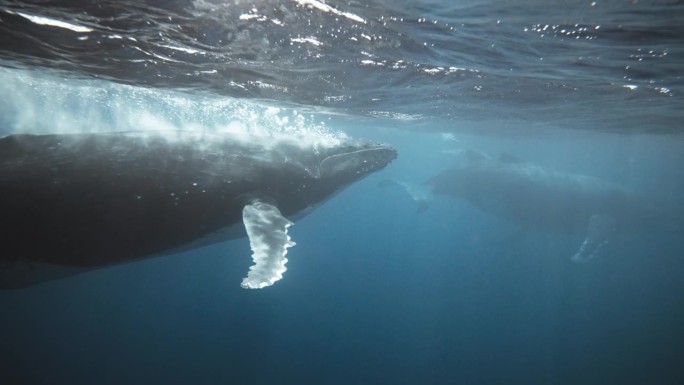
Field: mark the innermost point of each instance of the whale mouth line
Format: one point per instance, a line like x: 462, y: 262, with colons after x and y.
x: 363, y: 150
x: 360, y: 161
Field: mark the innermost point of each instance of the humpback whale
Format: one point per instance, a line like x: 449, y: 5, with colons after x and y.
x: 70, y: 203
x: 547, y: 199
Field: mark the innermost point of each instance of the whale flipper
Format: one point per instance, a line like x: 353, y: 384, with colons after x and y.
x: 267, y: 231
x: 599, y: 231
x: 418, y: 192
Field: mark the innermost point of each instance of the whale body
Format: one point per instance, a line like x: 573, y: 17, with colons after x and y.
x: 548, y: 199
x: 70, y: 203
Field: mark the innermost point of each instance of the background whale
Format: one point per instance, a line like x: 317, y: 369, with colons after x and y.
x: 548, y: 199
x: 69, y: 203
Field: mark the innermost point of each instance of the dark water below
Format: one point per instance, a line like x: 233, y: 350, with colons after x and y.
x: 375, y: 293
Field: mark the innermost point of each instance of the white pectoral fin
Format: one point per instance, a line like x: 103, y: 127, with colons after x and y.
x: 267, y: 231
x: 418, y: 192
x: 600, y: 229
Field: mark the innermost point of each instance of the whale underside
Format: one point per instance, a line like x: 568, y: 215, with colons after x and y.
x: 70, y: 203
x: 548, y: 199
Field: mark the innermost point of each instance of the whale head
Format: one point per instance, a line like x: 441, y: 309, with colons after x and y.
x: 354, y: 161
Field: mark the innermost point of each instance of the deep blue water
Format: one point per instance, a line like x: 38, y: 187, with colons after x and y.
x: 375, y: 292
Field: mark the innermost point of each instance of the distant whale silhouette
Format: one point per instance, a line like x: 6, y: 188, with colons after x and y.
x: 69, y: 203
x: 547, y: 199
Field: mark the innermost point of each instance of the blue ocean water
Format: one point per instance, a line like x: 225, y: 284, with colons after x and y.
x: 376, y: 291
